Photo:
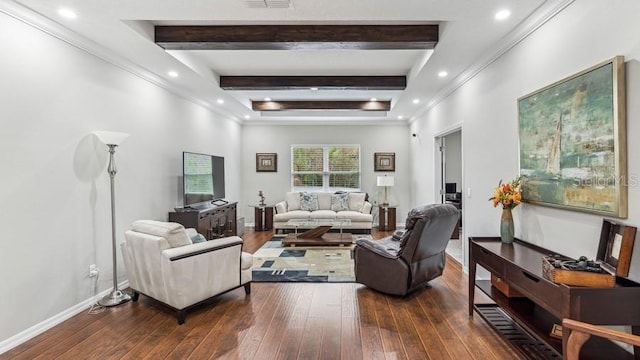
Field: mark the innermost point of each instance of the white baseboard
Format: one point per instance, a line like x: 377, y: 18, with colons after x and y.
x: 47, y: 324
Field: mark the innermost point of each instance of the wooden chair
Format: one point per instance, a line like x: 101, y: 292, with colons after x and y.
x: 576, y: 333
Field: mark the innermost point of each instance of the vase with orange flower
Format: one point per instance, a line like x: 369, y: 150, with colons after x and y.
x: 509, y: 195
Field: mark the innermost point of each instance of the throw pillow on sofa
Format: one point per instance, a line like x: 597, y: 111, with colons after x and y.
x: 198, y: 238
x: 308, y: 201
x: 340, y: 201
x: 293, y: 200
x: 356, y: 201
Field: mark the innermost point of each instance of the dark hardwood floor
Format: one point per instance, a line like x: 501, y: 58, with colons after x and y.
x: 284, y: 321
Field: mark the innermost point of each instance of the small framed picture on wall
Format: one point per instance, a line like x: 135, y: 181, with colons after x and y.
x: 266, y: 162
x: 384, y: 161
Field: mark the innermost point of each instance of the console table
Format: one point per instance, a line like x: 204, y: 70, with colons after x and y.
x: 545, y: 303
x: 213, y: 222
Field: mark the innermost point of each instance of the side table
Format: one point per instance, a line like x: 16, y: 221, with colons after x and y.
x: 263, y: 217
x: 386, y: 218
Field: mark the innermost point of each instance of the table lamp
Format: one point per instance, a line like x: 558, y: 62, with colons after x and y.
x: 386, y: 182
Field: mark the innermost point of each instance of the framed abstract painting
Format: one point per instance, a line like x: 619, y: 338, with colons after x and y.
x: 384, y: 161
x: 266, y: 162
x: 572, y: 133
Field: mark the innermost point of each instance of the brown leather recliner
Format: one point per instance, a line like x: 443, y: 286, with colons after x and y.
x: 406, y: 261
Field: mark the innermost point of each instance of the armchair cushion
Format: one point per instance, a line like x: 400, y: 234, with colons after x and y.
x: 174, y: 233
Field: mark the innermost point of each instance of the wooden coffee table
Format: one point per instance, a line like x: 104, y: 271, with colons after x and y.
x: 319, y: 235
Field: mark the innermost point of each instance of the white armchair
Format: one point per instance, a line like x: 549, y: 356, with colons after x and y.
x: 163, y: 264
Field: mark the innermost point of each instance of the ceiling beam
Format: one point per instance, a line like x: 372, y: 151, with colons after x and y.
x: 307, y: 82
x: 320, y: 105
x: 295, y: 37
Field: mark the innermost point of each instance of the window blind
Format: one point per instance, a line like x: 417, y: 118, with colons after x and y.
x: 325, y: 167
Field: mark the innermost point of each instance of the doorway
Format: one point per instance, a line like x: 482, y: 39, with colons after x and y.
x: 450, y: 184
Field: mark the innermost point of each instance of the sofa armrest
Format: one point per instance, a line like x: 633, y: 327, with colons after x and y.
x: 367, y: 207
x: 281, y: 207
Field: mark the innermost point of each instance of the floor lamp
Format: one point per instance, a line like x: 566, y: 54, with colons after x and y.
x: 112, y: 140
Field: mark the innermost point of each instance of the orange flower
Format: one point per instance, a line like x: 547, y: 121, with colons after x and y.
x: 509, y: 195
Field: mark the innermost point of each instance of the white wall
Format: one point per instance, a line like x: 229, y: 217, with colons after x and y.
x: 584, y: 34
x: 55, y: 190
x: 278, y: 139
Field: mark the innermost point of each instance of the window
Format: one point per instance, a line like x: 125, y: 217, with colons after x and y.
x: 325, y: 167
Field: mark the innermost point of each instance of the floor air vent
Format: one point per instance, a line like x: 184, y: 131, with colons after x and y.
x: 529, y: 346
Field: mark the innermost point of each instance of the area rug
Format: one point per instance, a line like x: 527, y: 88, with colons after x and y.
x: 275, y: 263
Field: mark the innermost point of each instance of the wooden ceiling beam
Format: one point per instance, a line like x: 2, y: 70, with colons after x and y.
x: 320, y: 105
x: 307, y: 82
x: 294, y: 37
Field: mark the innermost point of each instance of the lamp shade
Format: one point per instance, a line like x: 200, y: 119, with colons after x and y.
x: 111, y: 137
x: 385, y: 180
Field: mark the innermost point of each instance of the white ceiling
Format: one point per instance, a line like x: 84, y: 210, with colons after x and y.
x: 121, y: 31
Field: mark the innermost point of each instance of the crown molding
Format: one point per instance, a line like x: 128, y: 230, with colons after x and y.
x: 52, y: 28
x: 527, y: 27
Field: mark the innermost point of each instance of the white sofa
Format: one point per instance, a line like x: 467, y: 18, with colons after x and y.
x: 163, y: 263
x: 324, y: 206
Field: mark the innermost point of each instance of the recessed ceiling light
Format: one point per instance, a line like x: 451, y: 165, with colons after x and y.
x: 416, y: 101
x: 313, y: 89
x: 373, y: 99
x: 67, y: 13
x: 267, y: 99
x: 247, y: 117
x: 220, y: 101
x: 443, y: 73
x: 400, y: 117
x: 503, y: 14
x: 172, y: 73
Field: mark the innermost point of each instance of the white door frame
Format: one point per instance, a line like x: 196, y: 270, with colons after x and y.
x: 439, y: 177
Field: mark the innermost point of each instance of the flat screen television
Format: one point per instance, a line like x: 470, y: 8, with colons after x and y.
x: 450, y: 188
x: 202, y: 178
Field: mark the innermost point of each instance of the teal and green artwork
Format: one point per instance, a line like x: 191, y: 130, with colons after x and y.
x: 572, y: 142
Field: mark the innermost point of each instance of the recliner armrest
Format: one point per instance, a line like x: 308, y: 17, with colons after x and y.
x: 398, y: 235
x: 385, y: 247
